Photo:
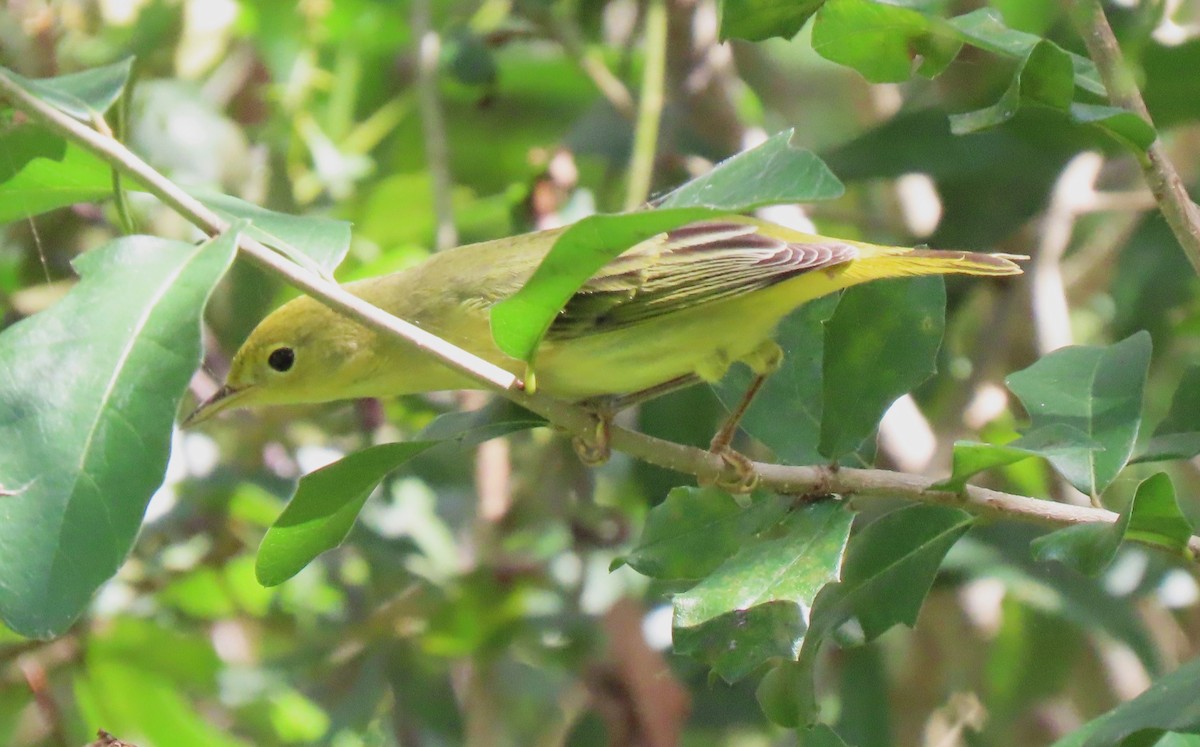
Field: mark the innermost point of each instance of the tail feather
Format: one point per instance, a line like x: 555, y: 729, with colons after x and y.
x: 937, y: 262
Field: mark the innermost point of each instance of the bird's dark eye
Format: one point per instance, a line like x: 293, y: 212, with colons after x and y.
x: 281, y: 359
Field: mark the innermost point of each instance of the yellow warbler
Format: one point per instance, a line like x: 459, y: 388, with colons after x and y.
x: 683, y: 305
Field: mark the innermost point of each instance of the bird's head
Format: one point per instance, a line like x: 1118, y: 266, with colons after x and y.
x: 302, y: 353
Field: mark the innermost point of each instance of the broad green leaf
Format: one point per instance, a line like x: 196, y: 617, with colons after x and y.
x: 773, y: 172
x: 985, y: 29
x: 736, y: 643
x: 756, y: 20
x: 1058, y: 439
x: 82, y: 95
x: 318, y: 244
x: 499, y: 417
x: 890, y: 566
x: 880, y: 40
x: 1178, y: 435
x: 88, y: 400
x: 1088, y: 548
x: 1169, y: 704
x: 1094, y: 390
x: 1152, y: 517
x: 770, y: 173
x: 786, y: 413
x: 326, y: 503
x: 1127, y: 127
x: 1156, y: 518
x: 696, y: 529
x: 40, y: 171
x: 751, y: 607
x: 881, y: 342
x: 1044, y: 78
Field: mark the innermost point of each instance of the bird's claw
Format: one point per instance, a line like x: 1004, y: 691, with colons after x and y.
x: 739, y: 476
x: 595, y: 449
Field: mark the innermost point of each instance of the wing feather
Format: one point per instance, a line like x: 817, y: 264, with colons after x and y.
x: 697, y: 264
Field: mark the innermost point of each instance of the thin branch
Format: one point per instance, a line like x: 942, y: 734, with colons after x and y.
x: 433, y: 125
x: 706, y: 466
x: 650, y: 106
x: 591, y: 62
x: 1177, y: 207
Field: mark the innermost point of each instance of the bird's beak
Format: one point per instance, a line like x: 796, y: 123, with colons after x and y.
x: 224, y: 398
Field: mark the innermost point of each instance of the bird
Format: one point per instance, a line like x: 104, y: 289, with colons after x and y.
x: 676, y: 309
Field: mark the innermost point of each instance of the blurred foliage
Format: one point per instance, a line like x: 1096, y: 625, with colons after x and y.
x: 443, y: 585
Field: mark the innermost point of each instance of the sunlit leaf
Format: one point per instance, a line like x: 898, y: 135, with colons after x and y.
x: 321, y: 513
x: 40, y: 171
x: 88, y: 400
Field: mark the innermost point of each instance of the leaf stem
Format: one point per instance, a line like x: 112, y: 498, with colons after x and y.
x: 1177, y: 207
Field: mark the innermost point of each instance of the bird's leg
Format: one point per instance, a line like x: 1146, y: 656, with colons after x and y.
x: 741, y: 477
x: 594, y: 449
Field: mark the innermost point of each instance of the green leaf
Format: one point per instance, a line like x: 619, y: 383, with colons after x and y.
x: 751, y: 608
x: 771, y: 173
x: 756, y: 20
x: 319, y: 244
x: 88, y: 400
x: 696, y: 529
x: 985, y: 29
x: 82, y: 95
x: 1095, y: 390
x: 1169, y: 704
x: 1044, y: 78
x: 890, y: 566
x: 1156, y: 518
x: 1127, y: 127
x: 1152, y: 517
x: 324, y: 508
x: 897, y: 321
x: 1178, y: 435
x: 880, y: 40
x: 786, y: 413
x: 40, y: 171
x: 1058, y: 439
x: 1088, y: 548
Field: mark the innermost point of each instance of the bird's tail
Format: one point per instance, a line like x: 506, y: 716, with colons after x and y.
x: 935, y: 262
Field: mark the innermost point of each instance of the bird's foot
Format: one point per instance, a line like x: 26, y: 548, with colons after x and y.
x: 595, y: 448
x: 739, y: 476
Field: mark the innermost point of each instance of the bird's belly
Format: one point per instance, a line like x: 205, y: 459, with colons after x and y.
x: 644, y: 355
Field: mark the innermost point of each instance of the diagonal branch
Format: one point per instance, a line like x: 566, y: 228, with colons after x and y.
x: 1177, y: 207
x: 706, y: 466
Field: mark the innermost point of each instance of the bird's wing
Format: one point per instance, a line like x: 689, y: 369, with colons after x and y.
x: 697, y: 264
